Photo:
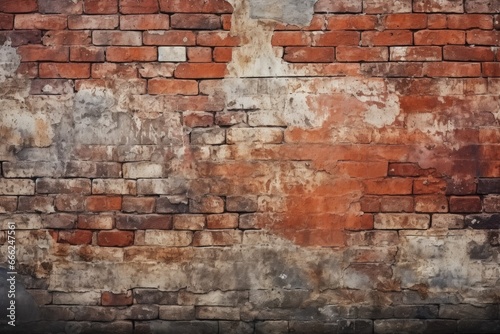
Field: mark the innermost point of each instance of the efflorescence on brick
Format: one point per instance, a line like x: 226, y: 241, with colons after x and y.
x: 251, y: 166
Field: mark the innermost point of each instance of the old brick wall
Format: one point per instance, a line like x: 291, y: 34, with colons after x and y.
x: 249, y: 166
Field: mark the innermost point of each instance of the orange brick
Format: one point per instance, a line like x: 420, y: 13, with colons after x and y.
x: 416, y: 53
x: 223, y: 54
x: 389, y: 186
x: 93, y: 21
x: 40, y: 21
x: 43, y: 53
x: 359, y: 223
x: 370, y: 203
x: 172, y: 87
x: 75, y: 237
x: 452, y: 69
x: 100, y: 6
x: 129, y: 54
x: 196, y: 21
x: 405, y: 21
x: 104, y: 203
x: 429, y: 186
x: 6, y: 21
x: 64, y: 70
x: 86, y: 54
x: 18, y: 6
x: 309, y: 55
x: 199, y: 55
x: 352, y: 22
x: 356, y: 54
x: 437, y: 21
x: 226, y: 21
x: 466, y: 53
x: 387, y: 37
x: 480, y: 37
x: 144, y: 22
x: 406, y: 169
x: 491, y: 69
x: 291, y: 38
x: 95, y: 222
x: 62, y: 37
x: 336, y: 38
x: 207, y: 6
x: 439, y: 37
x: 116, y: 299
x: 106, y: 70
x: 222, y: 221
x: 200, y: 71
x: 217, y: 39
x: 115, y: 238
x: 196, y: 119
x: 470, y: 21
x: 139, y: 6
x: 170, y: 38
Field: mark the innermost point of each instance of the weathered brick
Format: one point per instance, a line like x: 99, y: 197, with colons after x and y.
x: 263, y: 327
x: 465, y: 53
x: 161, y: 86
x: 168, y: 238
x: 223, y: 54
x: 257, y: 135
x: 483, y: 221
x: 196, y: 119
x: 153, y: 296
x: 352, y: 22
x: 21, y: 37
x: 465, y: 204
x: 222, y: 221
x: 170, y: 38
x: 139, y: 6
x: 189, y: 222
x: 208, y: 6
x: 95, y: 222
x: 115, y: 239
x: 206, y: 204
x: 488, y: 186
x: 402, y: 221
x: 447, y: 221
x: 217, y: 238
x: 86, y: 54
x: 171, y: 205
x: 141, y: 312
x: 416, y: 53
x: 209, y: 327
x: 51, y: 87
x: 36, y: 204
x: 383, y: 7
x: 241, y: 203
x: 399, y: 325
x: 43, y: 53
x: 130, y: 54
x: 393, y: 204
x: 389, y: 186
x: 482, y: 6
x: 100, y: 7
x: 22, y: 221
x: 491, y: 203
x: 59, y: 37
x: 41, y: 297
x: 405, y: 21
x: 8, y: 204
x: 431, y: 203
x: 196, y: 21
x: 175, y: 312
x: 199, y: 54
x: 151, y: 70
x: 93, y: 21
x: 166, y: 186
x: 470, y: 21
x: 335, y: 38
x: 6, y: 21
x: 217, y: 312
x: 466, y: 311
x: 59, y: 221
x: 478, y: 326
x: 75, y: 237
x: 116, y: 299
x: 437, y: 6
x: 144, y: 22
x: 309, y: 55
x: 17, y: 187
x: 105, y: 37
x: 142, y: 222
x: 358, y: 54
x: 138, y: 204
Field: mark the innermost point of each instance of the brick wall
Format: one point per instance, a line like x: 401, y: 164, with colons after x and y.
x: 211, y: 166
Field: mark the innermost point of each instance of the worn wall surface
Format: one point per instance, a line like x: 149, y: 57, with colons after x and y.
x: 250, y: 166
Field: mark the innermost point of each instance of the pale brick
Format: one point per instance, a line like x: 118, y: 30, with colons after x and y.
x: 96, y: 222
x: 168, y: 238
x: 60, y: 221
x: 168, y: 186
x: 154, y: 296
x: 114, y: 187
x: 206, y: 204
x: 217, y: 238
x: 174, y: 312
x: 448, y: 221
x: 213, y: 136
x: 173, y: 54
x: 76, y: 298
x: 213, y: 298
x: 36, y: 204
x: 70, y: 202
x: 29, y: 169
x: 402, y: 221
x: 8, y: 204
x: 254, y: 135
x: 17, y: 187
x: 62, y: 186
x: 138, y: 204
x: 140, y: 312
x: 217, y: 313
x: 142, y: 170
x: 132, y: 38
x: 22, y: 221
x: 189, y: 222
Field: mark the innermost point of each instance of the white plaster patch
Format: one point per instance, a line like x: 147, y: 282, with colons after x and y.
x: 9, y: 61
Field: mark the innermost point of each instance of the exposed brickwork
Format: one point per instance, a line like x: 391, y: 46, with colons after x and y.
x: 215, y: 166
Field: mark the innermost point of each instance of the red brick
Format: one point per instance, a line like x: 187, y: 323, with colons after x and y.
x: 429, y: 186
x: 387, y: 37
x: 129, y: 54
x: 95, y: 222
x: 115, y: 239
x: 481, y: 37
x: 170, y: 38
x: 338, y: 6
x: 18, y: 6
x: 452, y: 70
x: 100, y: 6
x: 104, y: 203
x: 86, y: 54
x: 356, y: 54
x: 207, y: 6
x: 309, y: 55
x: 385, y: 7
x: 359, y: 223
x: 40, y: 21
x: 172, y: 87
x: 491, y: 69
x: 226, y: 21
x: 223, y: 54
x: 437, y: 21
x: 370, y: 203
x: 416, y: 53
x: 336, y: 38
x: 75, y: 237
x: 406, y: 169
x: 431, y: 203
x: 439, y: 37
x: 106, y: 70
x: 465, y: 204
x: 64, y: 70
x: 61, y: 37
x: 396, y: 204
x: 405, y: 21
x: 196, y: 119
x: 138, y: 204
x: 470, y: 21
x: 199, y: 55
x: 43, y: 53
x: 6, y: 21
x: 196, y: 21
x: 21, y: 37
x: 352, y: 22
x: 467, y: 53
x: 388, y: 186
x: 291, y: 38
x: 200, y: 71
x: 223, y: 221
x: 144, y: 22
x: 217, y: 39
x: 93, y: 21
x: 116, y: 299
x: 139, y: 6
x: 438, y: 6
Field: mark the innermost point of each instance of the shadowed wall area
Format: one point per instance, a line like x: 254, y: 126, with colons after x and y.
x: 250, y: 166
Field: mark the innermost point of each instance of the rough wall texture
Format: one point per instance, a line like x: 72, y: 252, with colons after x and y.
x: 203, y: 166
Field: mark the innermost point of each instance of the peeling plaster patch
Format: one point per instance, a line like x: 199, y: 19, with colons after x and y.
x: 382, y: 115
x: 9, y: 61
x: 297, y: 12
